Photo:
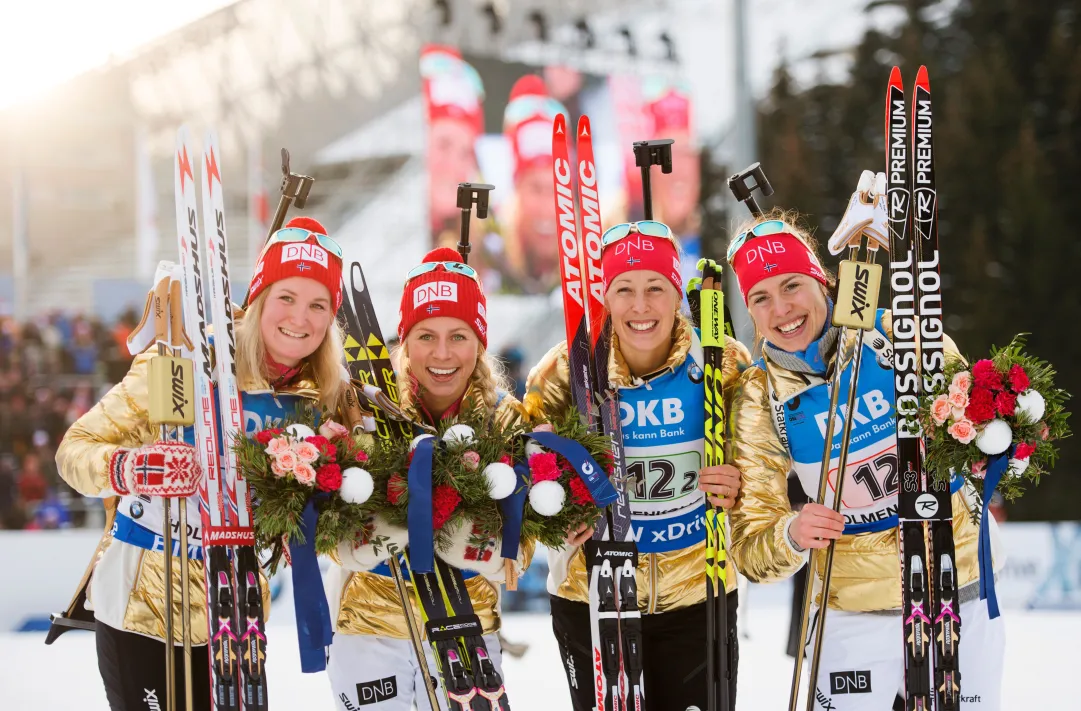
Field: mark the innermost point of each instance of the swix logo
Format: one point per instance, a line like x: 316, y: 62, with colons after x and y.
x: 568, y: 232
x: 671, y: 412
x: 760, y: 250
x: 177, y: 382
x: 591, y: 227
x: 824, y: 701
x: 572, y: 673
x: 435, y: 291
x: 300, y: 252
x: 874, y: 402
x: 859, y: 291
x: 151, y: 699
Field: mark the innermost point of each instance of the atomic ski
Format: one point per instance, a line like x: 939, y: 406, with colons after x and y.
x: 611, y: 555
x: 470, y: 680
x: 928, y: 567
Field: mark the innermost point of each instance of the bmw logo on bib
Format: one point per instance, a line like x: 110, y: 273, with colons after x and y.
x: 136, y: 509
x: 695, y: 373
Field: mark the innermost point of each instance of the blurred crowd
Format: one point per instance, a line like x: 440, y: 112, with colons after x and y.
x: 52, y: 370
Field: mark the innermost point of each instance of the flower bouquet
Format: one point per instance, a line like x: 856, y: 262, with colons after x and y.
x: 296, y: 466
x: 478, y: 466
x: 1003, y: 413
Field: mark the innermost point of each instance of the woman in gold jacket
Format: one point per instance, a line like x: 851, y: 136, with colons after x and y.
x: 777, y: 424
x: 288, y: 348
x: 443, y: 366
x: 656, y: 362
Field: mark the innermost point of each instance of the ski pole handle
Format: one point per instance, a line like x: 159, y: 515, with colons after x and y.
x: 744, y: 192
x: 646, y: 155
x: 470, y: 194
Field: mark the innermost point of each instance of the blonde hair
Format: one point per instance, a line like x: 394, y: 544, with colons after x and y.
x: 326, y: 363
x: 796, y: 225
x: 488, y: 378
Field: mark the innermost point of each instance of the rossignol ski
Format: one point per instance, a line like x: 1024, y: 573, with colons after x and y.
x: 611, y: 555
x: 928, y: 567
x: 470, y: 679
x: 236, y: 676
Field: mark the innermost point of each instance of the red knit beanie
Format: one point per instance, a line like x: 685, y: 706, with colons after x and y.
x: 443, y: 293
x: 307, y: 259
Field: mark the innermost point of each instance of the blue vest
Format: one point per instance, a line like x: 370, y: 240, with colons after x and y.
x: 663, y: 423
x: 139, y: 518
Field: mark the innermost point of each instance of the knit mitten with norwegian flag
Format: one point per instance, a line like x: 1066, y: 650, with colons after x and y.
x: 160, y: 469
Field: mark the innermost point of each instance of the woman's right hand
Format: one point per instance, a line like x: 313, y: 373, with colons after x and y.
x: 580, y: 535
x: 815, y: 526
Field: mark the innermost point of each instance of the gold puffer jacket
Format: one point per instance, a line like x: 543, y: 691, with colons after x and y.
x: 666, y: 581
x: 127, y: 590
x: 866, y: 567
x: 368, y: 604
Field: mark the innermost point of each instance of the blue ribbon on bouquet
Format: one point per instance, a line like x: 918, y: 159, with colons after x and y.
x: 419, y: 508
x: 314, y: 631
x: 592, y: 474
x: 997, y: 465
x: 513, y: 508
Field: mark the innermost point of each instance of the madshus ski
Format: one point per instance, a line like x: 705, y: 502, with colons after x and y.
x: 612, y: 555
x: 232, y: 574
x: 930, y: 606
x: 470, y: 680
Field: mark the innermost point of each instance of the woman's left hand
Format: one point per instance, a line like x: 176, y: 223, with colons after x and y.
x: 721, y: 484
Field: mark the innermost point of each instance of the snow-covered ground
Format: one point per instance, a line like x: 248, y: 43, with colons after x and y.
x: 1042, y: 661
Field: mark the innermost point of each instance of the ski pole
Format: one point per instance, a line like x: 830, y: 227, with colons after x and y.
x: 646, y: 155
x: 294, y: 192
x: 744, y: 192
x: 468, y: 195
x: 857, y: 298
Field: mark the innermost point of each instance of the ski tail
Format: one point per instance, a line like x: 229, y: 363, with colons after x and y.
x: 570, y: 259
x: 711, y: 302
x: 220, y: 585
x: 944, y: 603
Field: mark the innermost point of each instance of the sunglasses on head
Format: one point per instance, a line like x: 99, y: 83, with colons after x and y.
x: 651, y: 228
x: 762, y: 229
x: 456, y: 267
x: 296, y: 234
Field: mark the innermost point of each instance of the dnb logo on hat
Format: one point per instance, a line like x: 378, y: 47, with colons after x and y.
x: 305, y: 252
x: 435, y: 291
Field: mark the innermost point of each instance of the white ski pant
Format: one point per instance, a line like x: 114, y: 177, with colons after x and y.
x: 862, y: 666
x: 369, y: 673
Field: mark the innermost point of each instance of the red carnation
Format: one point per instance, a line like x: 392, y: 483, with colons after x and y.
x: 1005, y: 403
x: 328, y: 477
x: 1018, y: 379
x: 984, y: 375
x: 324, y: 446
x: 396, y: 487
x: 444, y: 500
x: 264, y: 437
x: 505, y: 459
x: 580, y: 492
x: 362, y: 456
x: 543, y: 467
x: 1024, y: 450
x: 981, y: 405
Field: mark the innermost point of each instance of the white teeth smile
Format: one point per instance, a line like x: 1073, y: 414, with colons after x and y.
x: 442, y: 371
x: 791, y: 325
x: 641, y: 325
x: 292, y: 334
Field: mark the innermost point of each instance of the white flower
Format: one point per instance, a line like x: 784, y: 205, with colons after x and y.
x: 501, y: 480
x: 995, y: 437
x: 357, y: 485
x: 1031, y: 404
x: 547, y: 498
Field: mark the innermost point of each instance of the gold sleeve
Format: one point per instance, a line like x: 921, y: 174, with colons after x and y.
x: 120, y: 419
x: 762, y: 512
x: 547, y: 390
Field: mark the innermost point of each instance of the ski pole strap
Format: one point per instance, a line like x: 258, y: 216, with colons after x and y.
x: 419, y: 513
x: 513, y: 508
x: 591, y: 473
x: 314, y: 632
x: 996, y: 468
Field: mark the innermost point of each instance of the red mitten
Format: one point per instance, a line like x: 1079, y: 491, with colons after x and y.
x: 160, y: 469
